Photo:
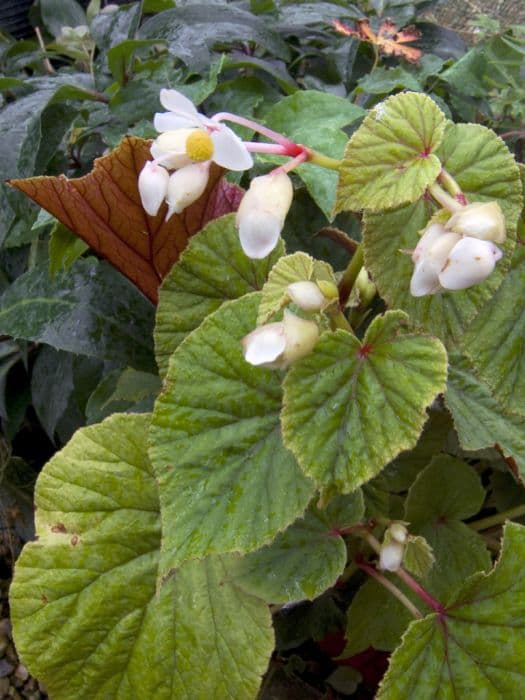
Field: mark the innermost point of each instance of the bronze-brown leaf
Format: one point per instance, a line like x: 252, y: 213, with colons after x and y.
x: 389, y: 39
x: 104, y: 209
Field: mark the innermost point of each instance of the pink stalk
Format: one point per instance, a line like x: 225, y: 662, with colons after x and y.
x: 256, y: 147
x: 273, y: 135
x: 288, y: 167
x: 420, y: 591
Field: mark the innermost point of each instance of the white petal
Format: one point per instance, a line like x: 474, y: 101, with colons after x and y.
x: 167, y: 121
x: 229, y: 151
x: 258, y: 234
x: 430, y: 236
x: 391, y: 556
x: 479, y: 220
x: 169, y: 149
x: 424, y: 281
x: 431, y: 255
x: 306, y: 295
x: 264, y: 344
x: 175, y: 101
x: 470, y: 262
x: 153, y: 185
x: 185, y: 186
x: 301, y: 336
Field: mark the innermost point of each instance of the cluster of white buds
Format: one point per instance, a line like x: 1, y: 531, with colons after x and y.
x: 460, y: 253
x: 393, y: 547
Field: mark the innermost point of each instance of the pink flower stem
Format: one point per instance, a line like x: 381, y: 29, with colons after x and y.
x: 386, y: 583
x: 420, y: 591
x: 248, y: 123
x: 257, y: 147
x: 291, y: 164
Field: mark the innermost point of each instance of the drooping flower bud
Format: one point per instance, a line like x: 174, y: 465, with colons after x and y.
x: 307, y: 295
x: 261, y: 214
x: 153, y: 187
x: 391, y: 556
x: 430, y: 257
x: 479, y: 220
x: 398, y: 533
x: 470, y: 262
x: 169, y: 149
x: 277, y: 345
x: 185, y: 186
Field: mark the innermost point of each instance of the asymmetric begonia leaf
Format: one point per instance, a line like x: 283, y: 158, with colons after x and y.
x: 226, y: 481
x: 104, y: 209
x: 90, y: 310
x: 291, y: 268
x: 446, y: 492
x: 88, y: 617
x: 486, y: 171
x: 351, y: 407
x: 389, y: 39
x: 304, y: 560
x: 479, y: 415
x: 390, y: 160
x: 212, y: 269
x: 476, y: 645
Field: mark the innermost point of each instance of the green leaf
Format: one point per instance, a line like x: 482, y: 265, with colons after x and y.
x: 390, y: 160
x: 227, y: 483
x: 304, y: 560
x: 111, y: 28
x: 485, y: 171
x: 479, y: 417
x: 383, y: 81
x: 88, y: 617
x: 119, y: 56
x: 446, y: 492
x: 477, y: 643
x: 291, y: 268
x: 495, y: 342
x: 211, y: 270
x: 418, y: 557
x: 64, y: 248
x: 314, y: 119
x: 351, y: 407
x: 61, y: 13
x: 123, y: 390
x: 90, y: 309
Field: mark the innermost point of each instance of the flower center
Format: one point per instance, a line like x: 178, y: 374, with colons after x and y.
x: 199, y: 146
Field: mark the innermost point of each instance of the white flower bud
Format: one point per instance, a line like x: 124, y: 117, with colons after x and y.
x: 185, y: 186
x: 307, y: 295
x: 398, y: 532
x: 391, y: 556
x: 470, y: 262
x: 277, y: 345
x: 478, y: 220
x: 169, y: 149
x: 430, y: 256
x: 261, y: 214
x: 153, y: 186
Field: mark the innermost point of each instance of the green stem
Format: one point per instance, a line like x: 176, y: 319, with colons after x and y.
x: 350, y: 275
x: 322, y: 160
x: 498, y: 519
x: 409, y: 605
x: 339, y: 320
x: 449, y: 183
x: 443, y: 198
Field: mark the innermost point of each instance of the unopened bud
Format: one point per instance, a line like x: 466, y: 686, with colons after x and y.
x: 185, y: 186
x: 301, y: 337
x: 430, y: 256
x: 153, y: 187
x: 261, y: 214
x: 391, y: 556
x: 470, y: 262
x: 365, y: 287
x: 307, y: 295
x: 479, y: 220
x: 398, y: 532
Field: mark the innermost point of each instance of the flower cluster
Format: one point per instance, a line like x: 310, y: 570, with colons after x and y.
x: 460, y: 253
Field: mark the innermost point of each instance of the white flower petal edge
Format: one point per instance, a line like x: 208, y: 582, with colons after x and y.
x: 185, y: 186
x: 479, y: 220
x: 265, y: 344
x: 153, y: 186
x: 470, y: 262
x: 229, y: 151
x: 430, y: 257
x: 307, y: 295
x: 391, y: 556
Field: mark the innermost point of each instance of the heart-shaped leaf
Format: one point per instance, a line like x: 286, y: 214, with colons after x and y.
x: 351, y: 407
x: 104, y: 209
x: 89, y: 619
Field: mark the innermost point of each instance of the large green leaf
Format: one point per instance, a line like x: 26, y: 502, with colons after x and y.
x: 227, y: 483
x: 477, y: 645
x: 391, y: 160
x: 90, y: 309
x: 351, y: 407
x: 212, y: 269
x: 486, y: 171
x: 304, y: 560
x: 446, y: 492
x: 88, y: 617
x: 479, y: 416
x: 314, y: 119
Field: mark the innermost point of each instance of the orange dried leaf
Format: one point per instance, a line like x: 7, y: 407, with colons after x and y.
x: 389, y: 39
x: 104, y: 209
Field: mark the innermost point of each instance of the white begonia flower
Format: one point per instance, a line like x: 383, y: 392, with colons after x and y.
x: 261, y: 214
x: 277, y: 345
x: 307, y: 295
x: 479, y: 220
x: 228, y: 150
x: 430, y: 256
x: 469, y: 262
x: 391, y: 556
x: 153, y: 187
x: 185, y: 186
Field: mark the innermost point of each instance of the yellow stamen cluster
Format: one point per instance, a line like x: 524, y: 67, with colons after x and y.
x: 199, y: 146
